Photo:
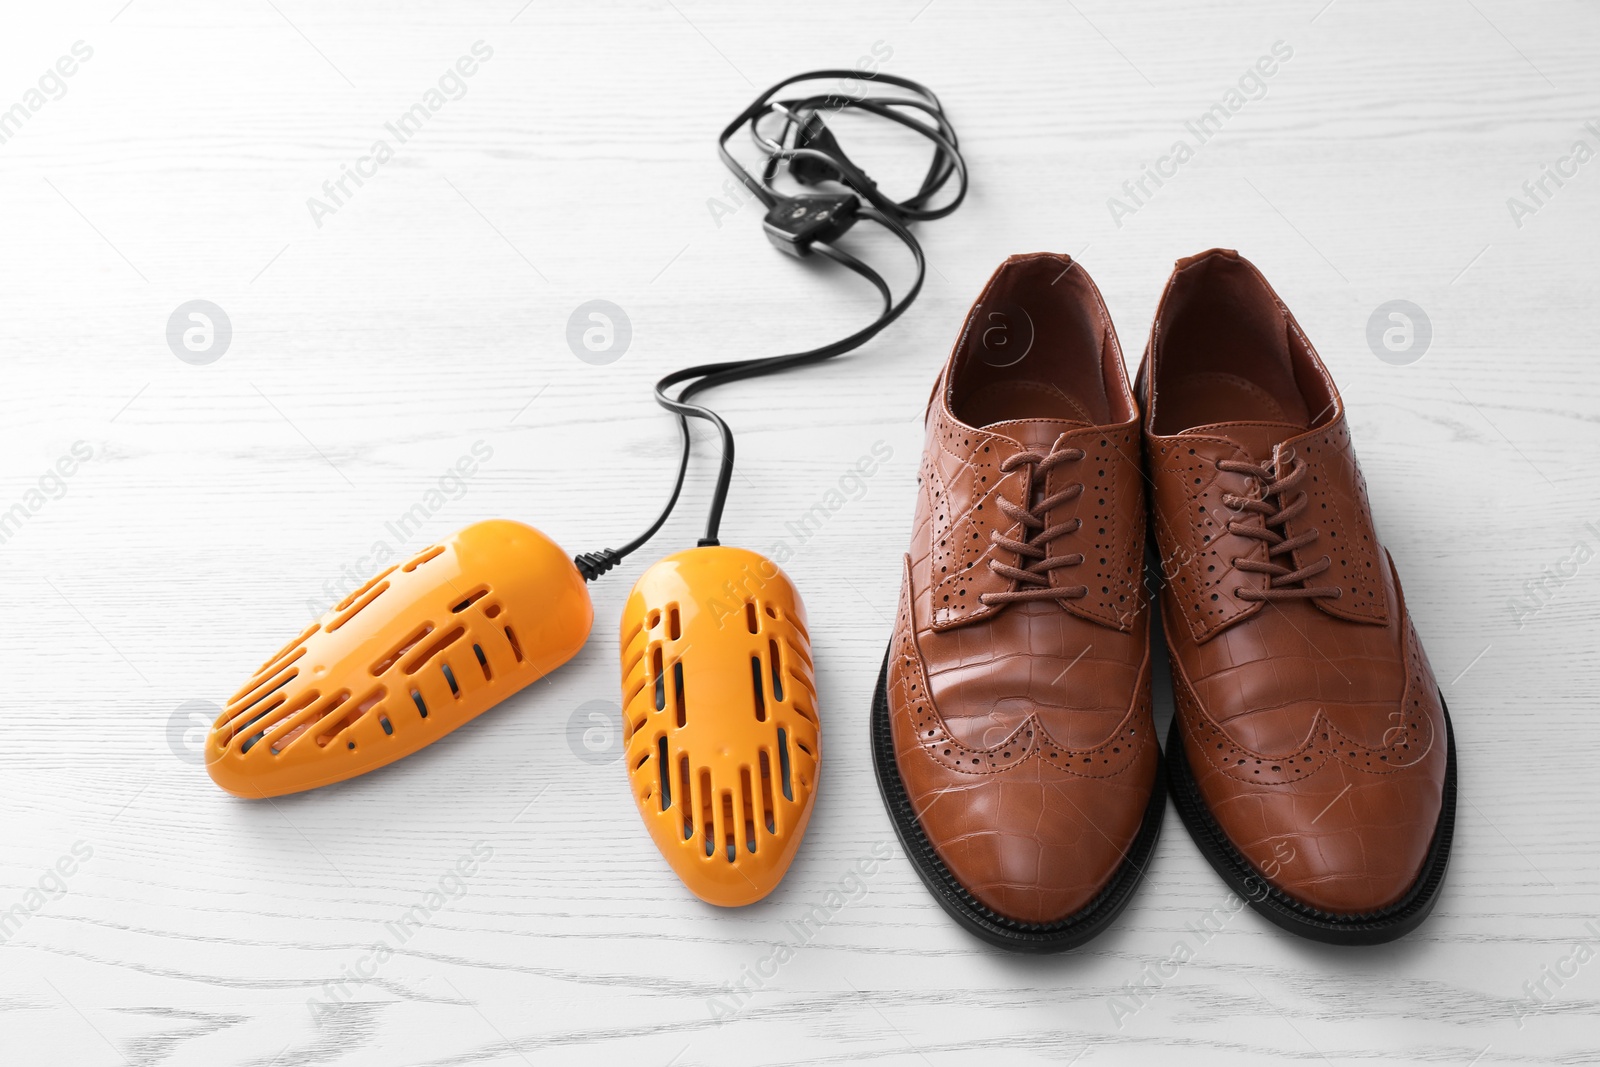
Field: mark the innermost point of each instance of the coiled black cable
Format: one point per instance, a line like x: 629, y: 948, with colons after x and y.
x: 802, y: 224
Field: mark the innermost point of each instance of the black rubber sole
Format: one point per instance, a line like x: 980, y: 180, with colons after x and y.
x: 996, y: 929
x: 1374, y: 928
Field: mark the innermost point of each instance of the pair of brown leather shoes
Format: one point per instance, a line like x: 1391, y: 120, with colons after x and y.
x: 1310, y: 753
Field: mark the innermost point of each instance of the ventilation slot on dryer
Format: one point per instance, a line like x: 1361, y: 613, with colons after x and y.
x: 332, y: 724
x: 755, y: 679
x: 471, y: 599
x: 729, y: 848
x: 233, y: 721
x: 450, y: 676
x: 261, y: 691
x: 273, y: 715
x: 237, y: 722
x: 660, y: 677
x: 483, y: 662
x: 278, y: 665
x: 420, y: 659
x: 684, y: 797
x: 516, y: 649
x: 422, y: 557
x: 707, y: 822
x: 783, y: 764
x: 313, y: 713
x: 777, y: 671
x: 350, y: 612
x: 663, y: 772
x: 401, y: 649
x: 748, y: 804
x: 767, y: 804
x: 677, y: 694
x: 373, y: 699
x: 280, y: 659
x: 751, y: 621
x: 634, y: 676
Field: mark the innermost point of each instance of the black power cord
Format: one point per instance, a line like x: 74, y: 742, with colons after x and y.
x: 801, y: 225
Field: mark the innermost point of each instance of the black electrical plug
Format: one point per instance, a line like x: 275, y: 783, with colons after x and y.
x: 814, y: 134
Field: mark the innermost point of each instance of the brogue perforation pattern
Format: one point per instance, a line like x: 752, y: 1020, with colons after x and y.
x: 1407, y: 741
x: 962, y: 498
x: 1337, y: 508
x: 909, y: 689
x: 1112, y: 536
x: 1197, y: 556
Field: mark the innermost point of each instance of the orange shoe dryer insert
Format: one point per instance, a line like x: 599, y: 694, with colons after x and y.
x: 720, y: 714
x: 416, y: 652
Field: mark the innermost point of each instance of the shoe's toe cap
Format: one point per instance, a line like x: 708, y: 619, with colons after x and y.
x: 1362, y: 848
x: 1031, y: 843
x: 1344, y: 843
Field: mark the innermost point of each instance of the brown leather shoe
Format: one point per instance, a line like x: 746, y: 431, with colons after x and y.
x: 1011, y: 728
x: 1311, y: 755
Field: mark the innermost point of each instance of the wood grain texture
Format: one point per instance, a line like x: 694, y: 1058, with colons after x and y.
x: 225, y: 504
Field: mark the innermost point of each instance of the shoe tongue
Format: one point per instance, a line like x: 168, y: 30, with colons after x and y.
x: 1036, y: 434
x: 1256, y: 438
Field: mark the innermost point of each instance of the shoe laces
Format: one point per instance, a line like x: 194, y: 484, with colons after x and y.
x: 1278, y: 503
x: 1038, y: 532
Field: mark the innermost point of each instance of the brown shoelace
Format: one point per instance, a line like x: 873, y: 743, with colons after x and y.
x: 1283, y: 582
x: 1035, y: 577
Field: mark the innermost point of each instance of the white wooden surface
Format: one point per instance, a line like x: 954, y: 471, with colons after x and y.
x: 222, y: 502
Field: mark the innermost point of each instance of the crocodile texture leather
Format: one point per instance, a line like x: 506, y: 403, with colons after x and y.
x: 1311, y: 723
x: 1022, y: 727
